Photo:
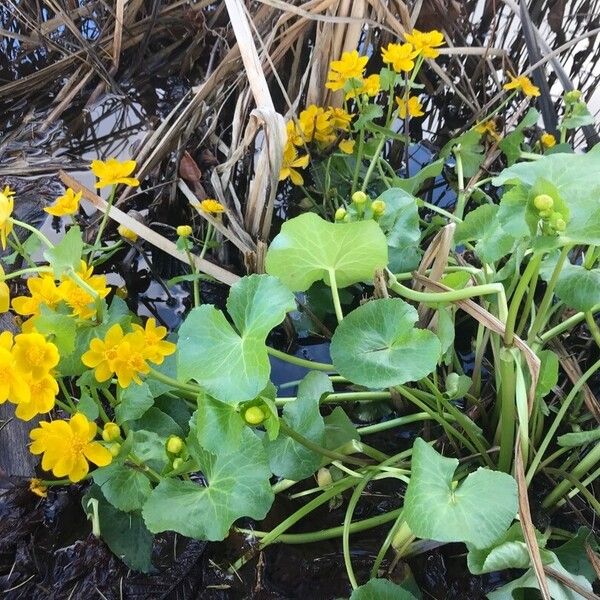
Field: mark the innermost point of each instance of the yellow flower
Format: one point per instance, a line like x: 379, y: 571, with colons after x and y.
x: 129, y: 362
x: 126, y: 233
x: 155, y: 348
x: 38, y: 488
x: 340, y: 118
x: 43, y: 291
x: 347, y: 146
x: 13, y: 386
x: 43, y: 393
x: 102, y: 354
x: 184, y: 231
x: 67, y: 204
x: 489, y: 128
x: 79, y: 300
x: 67, y: 446
x: 34, y: 355
x: 113, y: 171
x: 316, y: 123
x: 4, y: 293
x: 426, y: 43
x: 547, y: 140
x: 350, y: 66
x: 523, y: 84
x: 6, y: 225
x: 295, y: 134
x: 291, y: 163
x: 370, y: 86
x: 212, y: 206
x: 111, y: 432
x: 400, y: 56
x: 7, y: 191
x: 412, y: 107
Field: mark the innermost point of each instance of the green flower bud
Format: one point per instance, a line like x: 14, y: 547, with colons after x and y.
x: 573, y: 96
x: 174, y: 444
x: 177, y: 463
x: 111, y: 432
x: 543, y: 202
x: 184, y: 231
x: 254, y: 415
x: 359, y: 198
x: 560, y: 225
x: 340, y: 213
x: 378, y: 207
x: 114, y: 449
x: 545, y: 214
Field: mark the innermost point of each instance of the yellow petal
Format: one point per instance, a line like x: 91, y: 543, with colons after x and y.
x: 98, y: 454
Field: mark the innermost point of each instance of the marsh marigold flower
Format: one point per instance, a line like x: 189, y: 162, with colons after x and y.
x: 426, y: 43
x: 522, y: 83
x: 44, y: 292
x: 411, y: 107
x: 489, y: 128
x: 67, y: 204
x: 6, y: 225
x: 291, y: 163
x: 184, y: 231
x: 43, y: 393
x: 113, y: 171
x: 350, y: 66
x: 347, y: 146
x: 399, y: 56
x: 130, y: 362
x: 547, y: 140
x: 82, y: 303
x: 340, y: 118
x: 13, y: 386
x: 67, y: 446
x: 126, y: 233
x: 370, y: 86
x: 212, y: 206
x: 4, y: 293
x: 155, y: 347
x: 316, y: 123
x: 34, y: 355
x: 102, y: 353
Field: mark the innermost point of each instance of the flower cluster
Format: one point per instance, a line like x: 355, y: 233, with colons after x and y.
x: 126, y: 355
x: 6, y: 208
x: 26, y: 363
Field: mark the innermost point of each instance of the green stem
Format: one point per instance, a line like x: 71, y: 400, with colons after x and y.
x: 399, y: 422
x: 195, y: 282
x: 332, y: 454
x: 359, y: 157
x: 327, y: 534
x: 35, y: 232
x: 207, y: 240
x: 387, y: 543
x: 173, y: 382
x: 557, y: 420
x: 565, y: 325
x: 508, y: 409
x: 593, y: 327
x: 335, y: 296
x: 104, y: 221
x: 64, y: 406
x: 572, y: 479
x: 300, y: 362
x: 343, y: 397
x: 462, y: 198
x: 66, y: 394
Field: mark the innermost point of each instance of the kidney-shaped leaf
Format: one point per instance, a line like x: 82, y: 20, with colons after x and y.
x: 233, y: 366
x: 309, y: 249
x: 238, y: 486
x: 381, y: 589
x: 476, y: 512
x: 377, y: 345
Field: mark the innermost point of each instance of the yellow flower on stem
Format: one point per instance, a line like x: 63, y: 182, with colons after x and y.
x: 4, y: 293
x: 13, y: 386
x: 102, y: 353
x: 126, y: 233
x: 43, y: 393
x: 295, y: 134
x: 113, y: 171
x: 411, y: 107
x: 37, y: 487
x: 81, y: 302
x: 155, y: 348
x: 399, y: 56
x: 370, y: 86
x: 347, y: 146
x: 426, y: 43
x: 522, y: 83
x: 212, y: 206
x: 34, y: 355
x: 6, y: 225
x: 184, y: 231
x: 291, y: 163
x: 547, y: 140
x: 350, y: 66
x: 489, y: 128
x: 316, y: 123
x: 44, y: 292
x: 67, y: 204
x: 340, y: 118
x: 129, y: 362
x: 67, y: 446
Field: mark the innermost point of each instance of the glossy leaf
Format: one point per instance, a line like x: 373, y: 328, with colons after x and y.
x: 309, y: 249
x: 381, y: 589
x: 377, y: 345
x: 125, y: 487
x: 219, y: 425
x: 66, y: 255
x: 136, y: 399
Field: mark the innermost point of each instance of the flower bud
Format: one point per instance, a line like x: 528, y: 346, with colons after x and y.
x: 174, y: 444
x: 132, y: 236
x: 254, y: 415
x: 378, y: 207
x: 543, y: 202
x: 560, y: 225
x: 177, y: 463
x: 573, y: 96
x: 324, y: 477
x: 359, y: 198
x: 114, y: 449
x: 548, y: 140
x: 184, y: 231
x: 111, y: 432
x: 545, y: 214
x: 340, y: 213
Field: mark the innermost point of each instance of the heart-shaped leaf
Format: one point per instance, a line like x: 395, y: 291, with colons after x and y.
x: 126, y: 488
x: 577, y: 287
x: 476, y: 512
x: 309, y: 249
x: 381, y: 589
x: 238, y: 486
x: 233, y: 366
x: 377, y: 345
x: 66, y: 255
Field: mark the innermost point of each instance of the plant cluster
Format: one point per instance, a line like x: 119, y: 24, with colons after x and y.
x: 185, y: 432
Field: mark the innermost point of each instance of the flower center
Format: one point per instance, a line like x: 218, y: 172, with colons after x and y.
x: 35, y: 355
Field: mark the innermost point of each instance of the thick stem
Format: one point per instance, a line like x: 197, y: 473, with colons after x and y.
x: 335, y: 295
x: 461, y: 198
x: 300, y: 362
x: 104, y: 221
x: 173, y: 382
x: 508, y: 409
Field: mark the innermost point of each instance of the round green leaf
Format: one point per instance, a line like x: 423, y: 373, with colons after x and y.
x: 381, y: 589
x: 309, y: 249
x: 476, y: 512
x: 377, y: 345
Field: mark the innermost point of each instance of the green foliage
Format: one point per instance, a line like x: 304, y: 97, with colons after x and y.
x: 66, y: 255
x: 309, y: 249
x: 478, y: 511
x: 135, y: 401
x: 377, y: 345
x: 512, y: 142
x: 381, y: 589
x: 470, y: 150
x: 125, y: 486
